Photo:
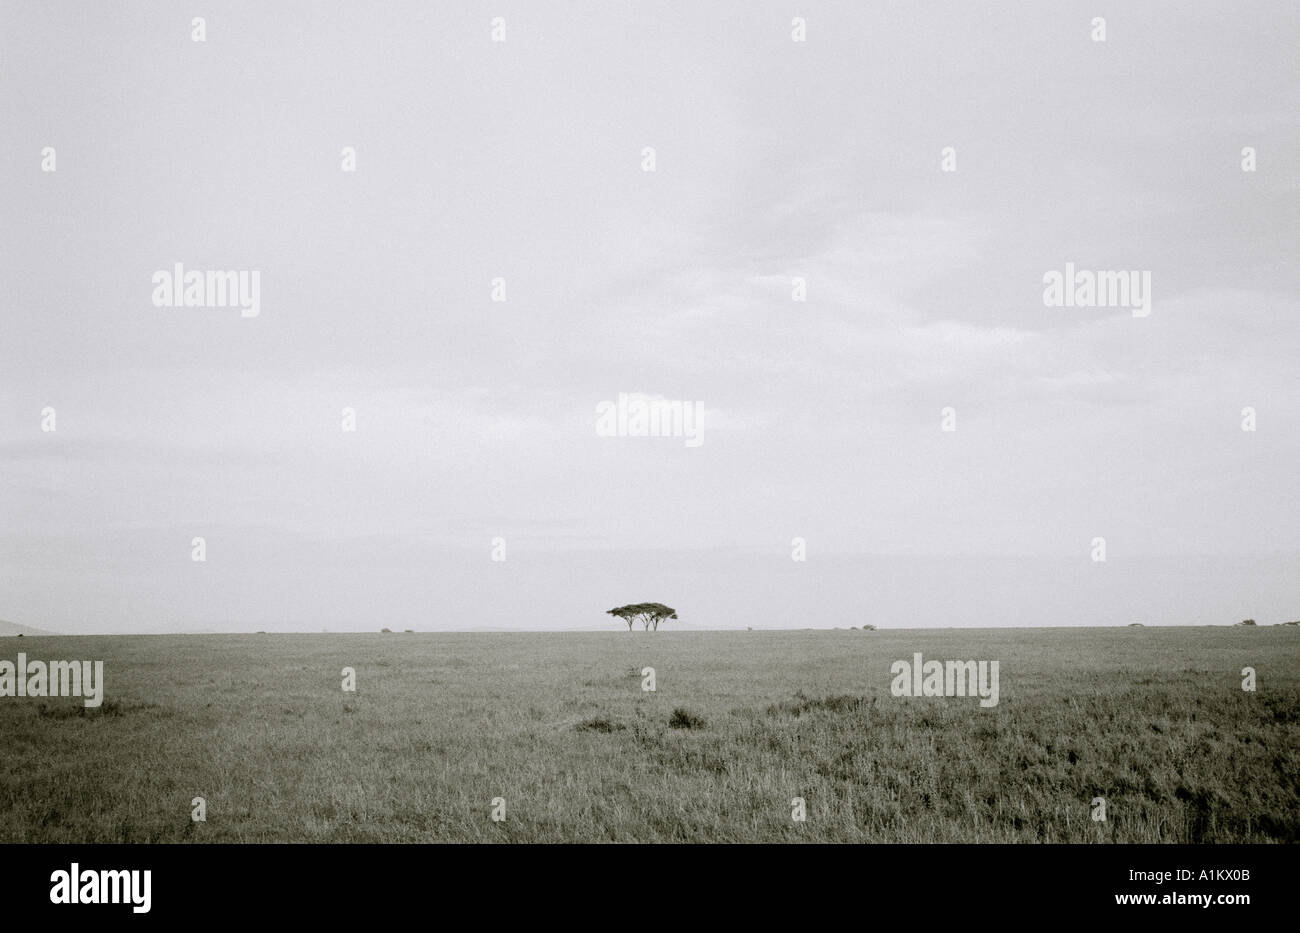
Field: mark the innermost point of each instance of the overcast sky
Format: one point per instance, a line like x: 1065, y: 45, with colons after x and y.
x: 522, y: 159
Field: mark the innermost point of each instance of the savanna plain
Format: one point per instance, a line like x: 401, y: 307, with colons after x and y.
x: 1154, y: 721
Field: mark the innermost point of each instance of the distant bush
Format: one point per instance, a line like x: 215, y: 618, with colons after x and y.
x: 868, y: 628
x: 387, y: 631
x: 1246, y: 622
x: 410, y: 631
x: 685, y: 719
x: 599, y: 724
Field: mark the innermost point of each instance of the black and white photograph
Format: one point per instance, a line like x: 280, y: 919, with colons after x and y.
x: 862, y: 429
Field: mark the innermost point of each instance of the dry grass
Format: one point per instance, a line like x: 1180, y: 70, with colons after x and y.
x: 1154, y: 720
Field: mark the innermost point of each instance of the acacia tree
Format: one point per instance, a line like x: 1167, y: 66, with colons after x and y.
x: 648, y: 614
x: 658, y: 612
x: 623, y: 612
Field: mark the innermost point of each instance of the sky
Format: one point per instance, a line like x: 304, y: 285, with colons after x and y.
x: 523, y: 160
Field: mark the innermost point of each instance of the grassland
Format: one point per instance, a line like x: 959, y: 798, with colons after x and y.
x: 1154, y: 720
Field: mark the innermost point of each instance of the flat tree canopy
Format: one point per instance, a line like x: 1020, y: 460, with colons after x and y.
x: 648, y: 614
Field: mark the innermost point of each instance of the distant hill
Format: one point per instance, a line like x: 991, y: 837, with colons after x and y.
x: 13, y: 628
